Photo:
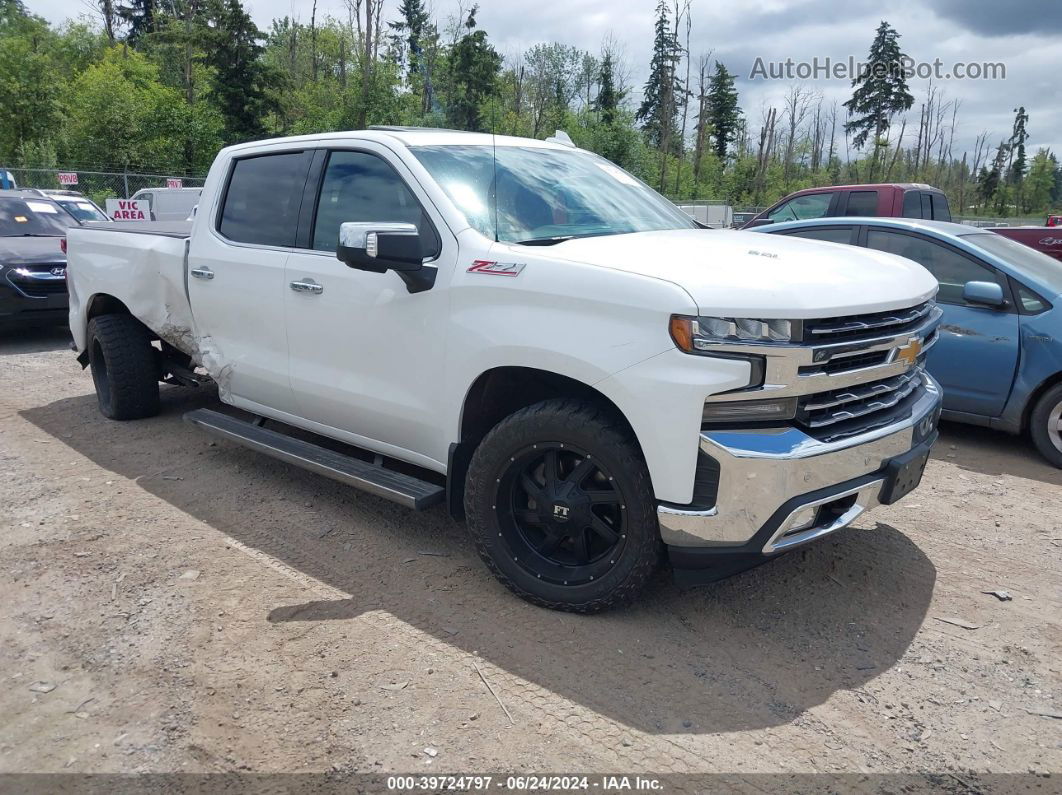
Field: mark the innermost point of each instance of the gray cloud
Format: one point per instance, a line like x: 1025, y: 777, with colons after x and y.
x: 1002, y: 17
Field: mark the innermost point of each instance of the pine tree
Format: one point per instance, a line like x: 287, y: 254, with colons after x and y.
x: 244, y: 84
x: 1018, y: 162
x: 414, y: 21
x: 140, y: 16
x: 723, y: 112
x: 881, y: 89
x: 658, y: 109
x: 608, y: 96
x: 474, y: 66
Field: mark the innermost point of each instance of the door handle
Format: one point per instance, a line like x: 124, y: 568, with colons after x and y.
x: 202, y: 273
x: 307, y: 286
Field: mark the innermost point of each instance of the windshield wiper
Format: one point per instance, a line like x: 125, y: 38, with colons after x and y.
x: 544, y: 241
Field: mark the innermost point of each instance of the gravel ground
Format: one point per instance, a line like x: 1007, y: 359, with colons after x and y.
x: 192, y: 606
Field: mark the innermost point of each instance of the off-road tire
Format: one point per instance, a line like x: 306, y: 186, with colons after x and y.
x: 1044, y: 412
x: 598, y: 432
x: 125, y: 367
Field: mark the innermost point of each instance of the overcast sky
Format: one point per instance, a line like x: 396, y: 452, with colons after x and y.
x: 1024, y: 35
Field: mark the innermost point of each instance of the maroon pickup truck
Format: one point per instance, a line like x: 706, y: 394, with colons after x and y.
x: 1047, y: 239
x: 885, y: 200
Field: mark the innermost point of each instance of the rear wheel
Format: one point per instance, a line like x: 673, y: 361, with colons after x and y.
x: 561, y: 508
x: 1045, y: 425
x: 125, y: 367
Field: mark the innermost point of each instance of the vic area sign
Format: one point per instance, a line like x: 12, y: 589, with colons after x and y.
x: 67, y: 178
x: 128, y: 209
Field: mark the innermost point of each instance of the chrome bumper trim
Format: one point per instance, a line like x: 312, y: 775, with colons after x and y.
x: 761, y: 470
x: 783, y: 539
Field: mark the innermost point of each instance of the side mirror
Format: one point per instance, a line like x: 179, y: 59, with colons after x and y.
x: 378, y: 247
x: 984, y: 293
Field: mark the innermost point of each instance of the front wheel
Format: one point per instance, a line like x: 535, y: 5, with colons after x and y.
x: 561, y: 509
x: 1045, y: 425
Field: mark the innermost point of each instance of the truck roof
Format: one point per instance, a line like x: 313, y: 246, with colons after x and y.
x: 409, y: 136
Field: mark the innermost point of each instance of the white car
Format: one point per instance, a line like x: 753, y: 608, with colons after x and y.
x: 530, y: 334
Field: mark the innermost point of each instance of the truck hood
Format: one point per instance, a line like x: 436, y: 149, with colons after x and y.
x: 750, y: 274
x: 31, y: 251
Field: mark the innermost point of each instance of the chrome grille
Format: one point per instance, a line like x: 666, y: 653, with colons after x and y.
x: 855, y: 409
x: 856, y: 327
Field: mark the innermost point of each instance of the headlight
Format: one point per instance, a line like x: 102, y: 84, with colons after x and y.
x: 695, y: 334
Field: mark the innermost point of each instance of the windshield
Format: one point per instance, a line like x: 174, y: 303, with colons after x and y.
x: 33, y: 217
x: 1035, y: 263
x: 546, y: 195
x: 82, y: 209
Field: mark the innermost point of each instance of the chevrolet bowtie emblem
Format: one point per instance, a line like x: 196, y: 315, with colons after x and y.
x: 909, y: 353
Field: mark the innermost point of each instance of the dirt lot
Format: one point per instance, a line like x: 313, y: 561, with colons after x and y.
x: 198, y: 607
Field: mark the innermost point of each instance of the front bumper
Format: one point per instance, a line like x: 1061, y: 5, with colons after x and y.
x: 780, y: 488
x: 32, y: 298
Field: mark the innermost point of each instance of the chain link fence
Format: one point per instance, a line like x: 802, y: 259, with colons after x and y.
x: 97, y: 185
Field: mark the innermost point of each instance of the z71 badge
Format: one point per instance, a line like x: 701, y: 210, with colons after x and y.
x: 497, y: 268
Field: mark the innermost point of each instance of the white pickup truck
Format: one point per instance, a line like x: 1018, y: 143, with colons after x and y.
x: 523, y: 331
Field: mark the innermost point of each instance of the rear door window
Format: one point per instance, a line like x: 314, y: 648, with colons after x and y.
x: 941, y: 210
x: 927, y: 206
x: 830, y: 234
x: 912, y: 204
x: 862, y: 202
x: 262, y: 200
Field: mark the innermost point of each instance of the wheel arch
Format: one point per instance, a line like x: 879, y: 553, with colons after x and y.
x: 494, y: 395
x: 1034, y: 397
x: 98, y: 304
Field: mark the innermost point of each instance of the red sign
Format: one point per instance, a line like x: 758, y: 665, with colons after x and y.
x: 127, y: 209
x: 174, y: 183
x: 67, y: 178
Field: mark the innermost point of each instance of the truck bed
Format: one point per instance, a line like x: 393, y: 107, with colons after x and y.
x: 142, y: 264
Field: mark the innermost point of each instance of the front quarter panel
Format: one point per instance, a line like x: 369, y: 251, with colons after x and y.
x: 605, y: 328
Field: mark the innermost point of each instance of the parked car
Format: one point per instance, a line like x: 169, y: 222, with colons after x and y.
x: 887, y: 200
x: 75, y: 203
x: 169, y: 204
x: 1042, y: 238
x: 7, y: 181
x: 1054, y: 220
x: 999, y: 357
x: 527, y: 332
x: 32, y: 263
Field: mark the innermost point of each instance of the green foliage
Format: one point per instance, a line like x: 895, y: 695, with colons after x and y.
x: 474, y: 67
x: 244, y: 85
x: 1041, y: 181
x: 120, y: 116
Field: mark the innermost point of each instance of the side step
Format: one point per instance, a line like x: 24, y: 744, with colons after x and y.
x: 395, y: 486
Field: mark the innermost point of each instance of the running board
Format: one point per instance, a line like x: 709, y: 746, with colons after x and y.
x: 395, y: 486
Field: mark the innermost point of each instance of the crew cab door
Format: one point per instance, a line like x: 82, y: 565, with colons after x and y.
x: 367, y: 356
x: 976, y: 357
x: 236, y: 280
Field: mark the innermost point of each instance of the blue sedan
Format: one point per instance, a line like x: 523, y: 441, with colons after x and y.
x: 999, y: 355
